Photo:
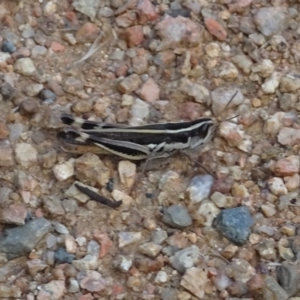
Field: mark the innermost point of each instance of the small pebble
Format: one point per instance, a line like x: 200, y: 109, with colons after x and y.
x: 185, y: 259
x: 277, y: 187
x: 158, y: 236
x: 268, y: 210
x: 61, y: 256
x: 195, y: 281
x: 288, y: 277
x: 177, y: 216
x: 37, y: 51
x: 208, y: 210
x: 47, y: 96
x: 123, y: 263
x: 128, y: 238
x: 219, y: 199
x: 140, y: 109
x: 74, y: 286
x: 89, y: 262
x: 151, y: 249
x: 8, y: 47
x: 7, y: 91
x: 33, y: 89
x: 127, y: 173
x: 93, y: 248
x: 70, y: 244
x: 161, y: 277
x: 60, y: 228
x: 26, y: 154
x: 25, y: 66
x: 64, y: 171
x: 200, y: 187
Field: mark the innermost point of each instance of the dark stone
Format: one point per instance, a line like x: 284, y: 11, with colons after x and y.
x: 110, y: 185
x: 149, y: 195
x: 61, y: 256
x: 20, y: 240
x: 179, y: 12
x: 288, y: 277
x: 234, y: 224
x: 8, y: 47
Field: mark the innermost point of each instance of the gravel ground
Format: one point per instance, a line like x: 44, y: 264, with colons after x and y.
x: 180, y: 232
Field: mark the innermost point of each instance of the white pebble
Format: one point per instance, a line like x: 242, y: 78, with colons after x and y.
x: 64, y: 171
x: 140, y: 109
x: 74, y: 286
x: 25, y: 66
x: 209, y: 211
x: 70, y: 244
x: 161, y: 277
x: 81, y: 240
x: 277, y: 187
x: 127, y: 238
x: 60, y: 228
x: 271, y: 84
x: 200, y: 187
x: 26, y: 155
x: 127, y: 173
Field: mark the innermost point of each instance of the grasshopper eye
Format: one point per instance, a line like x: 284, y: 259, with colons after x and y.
x: 69, y: 135
x: 67, y: 119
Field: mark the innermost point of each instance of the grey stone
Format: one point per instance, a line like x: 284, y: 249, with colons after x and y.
x: 270, y: 20
x: 105, y: 12
x: 9, y: 35
x: 28, y: 32
x: 21, y: 240
x: 7, y: 91
x: 169, y: 250
x: 224, y: 98
x: 234, y: 224
x: 185, y: 259
x: 61, y: 256
x: 47, y: 95
x: 168, y: 294
x: 158, y: 236
x: 128, y: 238
x: 271, y: 285
x: 288, y: 277
x: 38, y: 50
x: 4, y: 193
x: 123, y: 263
x: 70, y: 205
x: 60, y: 228
x: 287, y: 101
x: 87, y: 7
x: 93, y: 248
x: 177, y: 216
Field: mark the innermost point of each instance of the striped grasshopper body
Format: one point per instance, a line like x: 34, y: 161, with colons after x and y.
x: 135, y: 142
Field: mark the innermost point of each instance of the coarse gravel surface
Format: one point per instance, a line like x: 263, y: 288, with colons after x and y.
x: 226, y: 230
